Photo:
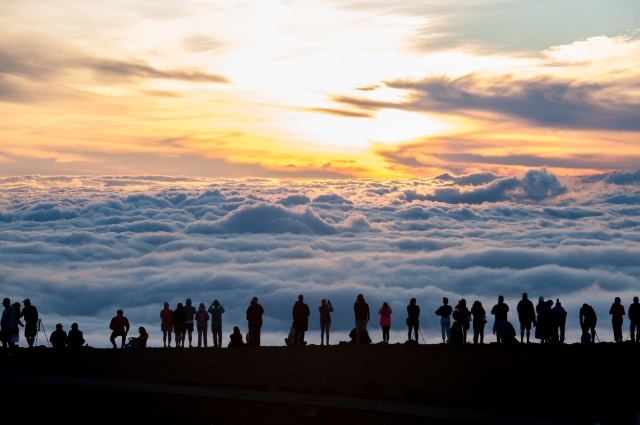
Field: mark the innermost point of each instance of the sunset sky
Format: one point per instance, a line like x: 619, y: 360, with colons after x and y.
x: 318, y: 88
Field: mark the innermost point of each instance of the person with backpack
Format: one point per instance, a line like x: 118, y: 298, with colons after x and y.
x: 216, y: 311
x: 189, y: 315
x: 119, y: 328
x: 178, y: 320
x: 464, y: 318
x: 166, y: 324
x: 445, y: 311
x: 202, y: 317
x: 559, y: 317
x: 413, y: 319
x: 362, y: 314
x: 254, y: 319
x: 479, y: 320
x: 526, y: 316
x: 617, y: 311
x: 385, y: 313
x: 588, y: 321
x: 325, y: 319
x: 300, y: 315
x: 500, y: 325
x: 634, y: 318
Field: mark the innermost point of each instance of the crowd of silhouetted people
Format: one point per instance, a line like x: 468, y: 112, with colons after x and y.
x: 546, y: 317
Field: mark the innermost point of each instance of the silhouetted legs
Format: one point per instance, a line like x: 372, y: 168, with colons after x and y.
x: 635, y: 331
x: 464, y: 326
x: 116, y: 334
x: 361, y: 327
x: 617, y: 329
x: 524, y: 326
x: 202, y: 334
x: 30, y: 332
x: 216, y: 329
x: 414, y: 327
x: 254, y: 336
x: 188, y: 329
x: 591, y: 330
x: 324, y: 327
x: 299, y: 338
x: 559, y: 335
x: 166, y: 333
x: 478, y: 331
x: 385, y: 333
x: 445, y: 326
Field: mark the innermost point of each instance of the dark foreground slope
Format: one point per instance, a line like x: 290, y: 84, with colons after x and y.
x: 582, y: 384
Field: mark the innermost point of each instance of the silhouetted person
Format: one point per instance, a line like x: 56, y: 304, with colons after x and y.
x: 30, y: 315
x: 479, y: 320
x: 588, y: 320
x: 6, y: 325
x: 141, y: 340
x: 254, y: 320
x: 500, y: 325
x: 189, y: 316
x: 559, y: 318
x: 361, y: 311
x: 634, y: 318
x: 456, y: 333
x: 235, y: 339
x: 75, y: 339
x: 300, y: 315
x: 166, y: 315
x: 325, y: 319
x: 58, y: 338
x: 544, y: 321
x: 385, y: 313
x: 216, y: 311
x: 413, y: 319
x: 526, y: 316
x: 510, y: 335
x: 445, y: 311
x: 178, y: 318
x: 119, y: 328
x: 15, y: 334
x: 202, y: 319
x: 464, y: 318
x: 364, y: 337
x: 291, y: 339
x: 616, y: 312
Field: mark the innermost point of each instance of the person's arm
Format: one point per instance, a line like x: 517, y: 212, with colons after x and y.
x: 111, y: 325
x: 611, y: 310
x: 330, y: 306
x: 221, y: 309
x: 368, y: 313
x: 126, y: 325
x: 622, y: 307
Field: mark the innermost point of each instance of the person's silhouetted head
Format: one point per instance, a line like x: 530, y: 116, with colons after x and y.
x: 142, y: 330
x: 300, y: 298
x: 166, y: 305
x: 558, y: 303
x: 385, y: 308
x: 254, y: 300
x: 360, y: 298
x: 541, y: 299
x: 6, y: 302
x: 412, y: 301
x: 216, y: 302
x: 236, y: 330
x: 445, y: 300
x: 180, y: 306
x: 635, y: 300
x: 74, y: 326
x: 323, y: 301
x: 525, y: 296
x: 59, y: 326
x: 476, y: 304
x: 119, y: 312
x: 550, y: 302
x: 188, y: 301
x: 27, y: 302
x: 500, y: 299
x: 617, y: 300
x: 585, y: 305
x: 463, y: 302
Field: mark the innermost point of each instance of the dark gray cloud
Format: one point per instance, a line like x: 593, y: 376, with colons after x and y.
x: 617, y: 177
x: 141, y: 69
x: 471, y: 179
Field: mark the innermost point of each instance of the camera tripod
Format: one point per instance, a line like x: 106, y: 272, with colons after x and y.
x: 39, y: 328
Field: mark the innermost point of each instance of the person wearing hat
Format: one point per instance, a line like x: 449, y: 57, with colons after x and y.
x: 58, y: 337
x: 30, y: 315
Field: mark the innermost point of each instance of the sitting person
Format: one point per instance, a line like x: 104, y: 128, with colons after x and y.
x: 75, y: 338
x: 292, y: 337
x: 456, y: 333
x: 58, y: 337
x: 509, y: 336
x: 365, y: 337
x: 139, y: 341
x: 236, y: 338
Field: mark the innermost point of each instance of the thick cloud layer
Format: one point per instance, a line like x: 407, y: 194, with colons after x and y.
x: 82, y: 247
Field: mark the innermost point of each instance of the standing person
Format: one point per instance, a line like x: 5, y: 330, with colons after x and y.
x: 189, y: 314
x: 119, y: 328
x: 361, y: 311
x: 15, y: 334
x: 7, y: 322
x: 216, y: 311
x: 30, y: 315
x: 479, y: 320
x: 166, y: 326
x: 325, y: 319
x: 385, y: 313
x: 58, y: 337
x: 444, y: 311
x: 300, y: 315
x: 588, y: 320
x: 617, y: 311
x: 75, y: 338
x: 526, y: 316
x: 413, y: 319
x: 634, y: 318
x: 202, y: 317
x: 559, y: 317
x: 500, y: 325
x: 254, y: 319
x: 178, y: 319
x: 544, y: 322
x: 464, y: 318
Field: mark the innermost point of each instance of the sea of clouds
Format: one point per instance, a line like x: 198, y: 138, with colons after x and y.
x: 82, y: 247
